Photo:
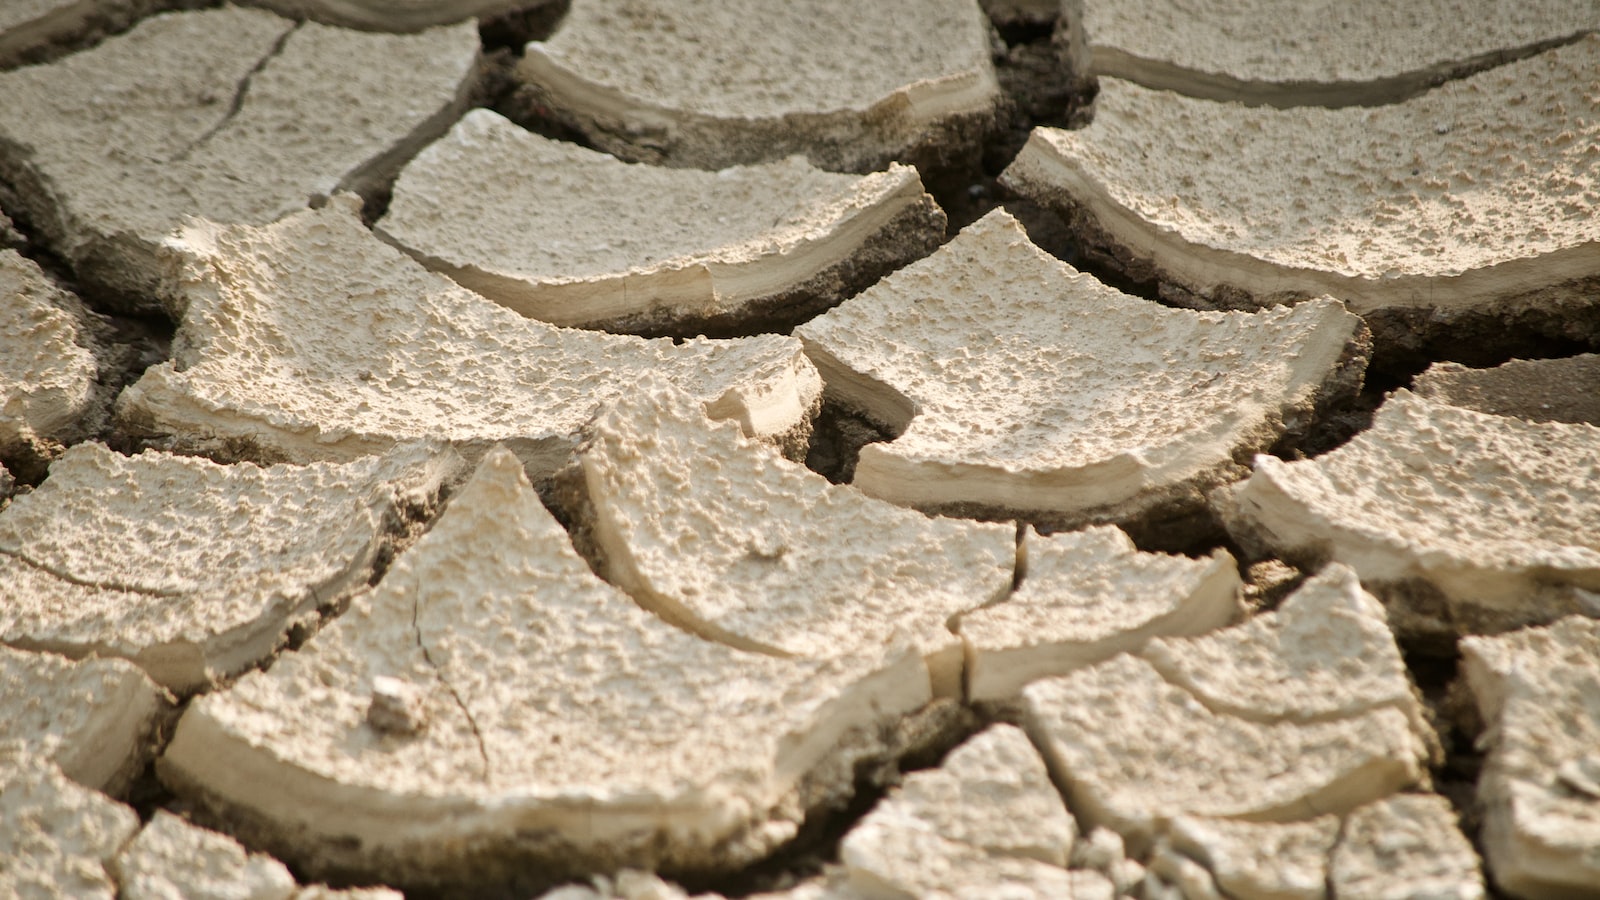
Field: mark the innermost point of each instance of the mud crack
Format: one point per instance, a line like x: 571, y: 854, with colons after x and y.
x: 461, y: 704
x: 239, y: 93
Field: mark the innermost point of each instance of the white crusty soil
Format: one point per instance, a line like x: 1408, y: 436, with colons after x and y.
x: 236, y: 115
x: 723, y: 536
x: 264, y: 366
x: 1539, y: 693
x: 567, y: 731
x: 1539, y: 390
x: 1465, y: 197
x: 574, y: 237
x: 173, y: 859
x: 47, y: 364
x: 1017, y: 383
x: 94, y: 719
x: 392, y: 15
x: 1462, y: 522
x: 1402, y: 848
x: 1085, y: 597
x: 1260, y: 860
x: 1365, y: 52
x: 57, y: 838
x: 848, y: 84
x: 192, y: 570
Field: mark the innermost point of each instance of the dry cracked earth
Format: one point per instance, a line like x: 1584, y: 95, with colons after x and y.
x: 622, y: 449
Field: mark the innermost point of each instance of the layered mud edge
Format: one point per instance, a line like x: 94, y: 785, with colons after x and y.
x: 1553, y: 320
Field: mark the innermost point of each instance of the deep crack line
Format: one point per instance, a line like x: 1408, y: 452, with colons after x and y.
x: 483, y: 749
x: 239, y: 93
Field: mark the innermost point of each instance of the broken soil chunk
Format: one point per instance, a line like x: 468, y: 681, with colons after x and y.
x: 586, y: 240
x: 726, y: 538
x: 33, y: 28
x: 192, y: 570
x: 569, y: 731
x: 1461, y: 522
x: 48, y: 368
x: 57, y: 838
x: 1539, y: 390
x: 392, y: 15
x: 1366, y: 52
x: 1405, y: 847
x: 265, y: 366
x: 94, y: 719
x: 1539, y: 693
x: 1260, y: 860
x: 172, y: 858
x: 850, y: 85
x: 1136, y: 749
x: 231, y: 114
x: 1086, y: 597
x: 1023, y: 385
x: 1474, y: 197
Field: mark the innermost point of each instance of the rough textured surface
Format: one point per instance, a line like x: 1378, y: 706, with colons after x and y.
x: 56, y: 837
x: 392, y: 15
x: 569, y: 731
x: 595, y: 242
x: 30, y: 29
x: 737, y: 544
x: 1260, y: 860
x: 48, y: 368
x: 1538, y: 691
x: 850, y: 85
x: 1462, y: 522
x: 1539, y: 390
x: 192, y: 570
x: 235, y: 115
x: 1085, y: 597
x: 1365, y: 52
x: 174, y: 859
x: 1405, y: 847
x: 1465, y: 198
x: 94, y: 719
x: 1018, y: 383
x: 263, y: 366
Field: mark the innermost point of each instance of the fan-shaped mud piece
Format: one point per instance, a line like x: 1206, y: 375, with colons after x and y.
x: 1461, y: 522
x: 849, y: 85
x: 57, y: 837
x: 1409, y: 845
x: 1539, y: 693
x: 578, y: 238
x: 1134, y: 750
x: 192, y: 570
x: 492, y: 712
x: 393, y: 15
x: 1018, y: 384
x: 48, y: 366
x: 734, y: 543
x: 1260, y: 860
x: 34, y: 29
x: 94, y: 718
x: 1539, y: 390
x: 1087, y: 596
x: 266, y: 365
x: 1474, y: 198
x: 1309, y: 52
x: 231, y: 114
x: 172, y: 858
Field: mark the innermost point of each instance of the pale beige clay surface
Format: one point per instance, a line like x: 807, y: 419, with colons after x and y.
x: 30, y: 27
x: 236, y: 115
x: 1139, y: 740
x: 1405, y: 847
x: 171, y: 858
x: 556, y: 724
x: 265, y: 367
x: 1539, y: 390
x: 1463, y: 522
x: 722, y: 535
x: 48, y: 365
x: 57, y: 838
x: 192, y: 570
x: 583, y: 239
x: 1018, y: 384
x: 1306, y: 52
x: 1085, y: 597
x: 850, y: 85
x: 1475, y: 196
x: 1539, y: 693
x: 95, y: 719
x: 393, y: 15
